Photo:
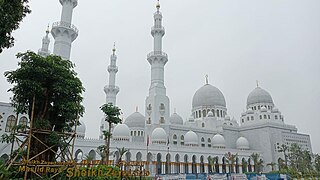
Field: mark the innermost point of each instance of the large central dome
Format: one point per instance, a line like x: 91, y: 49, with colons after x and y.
x: 208, y: 95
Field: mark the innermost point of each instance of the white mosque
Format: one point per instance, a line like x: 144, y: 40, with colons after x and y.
x: 164, y: 142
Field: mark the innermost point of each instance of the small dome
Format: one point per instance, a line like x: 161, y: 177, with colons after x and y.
x: 136, y: 119
x: 208, y: 95
x: 263, y: 109
x: 249, y: 111
x: 227, y: 118
x: 210, y: 114
x: 218, y: 141
x: 176, y: 119
x: 191, y: 138
x: 121, y: 131
x: 81, y: 129
x: 159, y: 136
x: 242, y: 143
x: 259, y: 95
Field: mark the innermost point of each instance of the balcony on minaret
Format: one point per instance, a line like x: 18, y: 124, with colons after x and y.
x: 157, y: 55
x: 112, y: 69
x: 61, y: 26
x: 111, y: 89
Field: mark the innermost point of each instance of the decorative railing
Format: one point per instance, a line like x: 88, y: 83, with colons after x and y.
x: 65, y: 25
x: 155, y: 28
x: 112, y: 87
x: 157, y: 53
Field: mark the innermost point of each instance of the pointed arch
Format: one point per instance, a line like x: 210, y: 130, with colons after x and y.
x: 201, y: 164
x: 159, y: 164
x: 194, y: 164
x: 186, y: 167
x: 177, y: 164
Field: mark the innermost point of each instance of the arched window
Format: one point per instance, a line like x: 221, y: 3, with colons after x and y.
x: 268, y: 116
x: 131, y: 133
x: 149, y: 121
x: 196, y: 114
x: 248, y: 118
x: 258, y: 107
x: 275, y: 117
x: 204, y: 113
x: 135, y: 133
x: 213, y: 112
x: 182, y: 140
x: 202, y: 124
x: 260, y: 117
x: 209, y: 142
x: 11, y: 122
x: 202, y: 142
x: 23, y: 121
x: 149, y: 107
x: 199, y: 113
x: 218, y: 114
x: 162, y: 120
x: 242, y: 120
x: 138, y: 133
x: 162, y: 107
x: 175, y: 139
x: 265, y: 116
x: 252, y: 118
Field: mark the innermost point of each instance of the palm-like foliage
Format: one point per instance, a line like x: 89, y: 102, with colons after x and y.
x: 231, y: 159
x: 112, y: 114
x: 212, y: 161
x: 258, y: 162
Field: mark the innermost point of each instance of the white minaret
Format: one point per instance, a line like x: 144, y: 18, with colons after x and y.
x: 112, y: 90
x: 44, y: 51
x: 63, y: 32
x: 157, y: 103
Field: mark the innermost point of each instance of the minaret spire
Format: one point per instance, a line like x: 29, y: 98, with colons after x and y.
x: 112, y: 90
x: 63, y: 31
x: 44, y: 51
x: 157, y: 99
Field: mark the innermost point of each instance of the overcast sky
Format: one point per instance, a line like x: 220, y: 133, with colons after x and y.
x: 235, y: 42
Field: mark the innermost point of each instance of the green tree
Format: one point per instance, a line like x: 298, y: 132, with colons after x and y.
x: 258, y: 162
x: 112, y: 116
x: 317, y: 162
x: 231, y: 159
x: 212, y: 161
x: 49, y: 83
x: 11, y: 14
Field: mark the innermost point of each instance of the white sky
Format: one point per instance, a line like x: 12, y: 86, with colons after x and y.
x: 235, y: 42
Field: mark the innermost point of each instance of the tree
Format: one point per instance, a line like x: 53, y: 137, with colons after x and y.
x: 11, y: 14
x: 50, y: 84
x: 258, y: 162
x: 112, y: 114
x: 212, y: 161
x: 317, y: 162
x: 231, y: 159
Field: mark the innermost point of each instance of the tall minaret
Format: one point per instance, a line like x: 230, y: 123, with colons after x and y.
x: 157, y: 103
x: 44, y: 51
x: 63, y: 32
x: 112, y: 90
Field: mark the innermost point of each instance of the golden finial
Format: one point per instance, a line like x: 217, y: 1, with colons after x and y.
x: 257, y: 83
x: 207, y: 81
x: 158, y: 5
x: 136, y: 108
x: 114, y: 47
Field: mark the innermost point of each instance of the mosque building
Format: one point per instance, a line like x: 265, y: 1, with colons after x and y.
x: 162, y: 141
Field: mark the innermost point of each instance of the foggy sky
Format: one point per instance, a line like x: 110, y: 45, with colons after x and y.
x: 235, y: 42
